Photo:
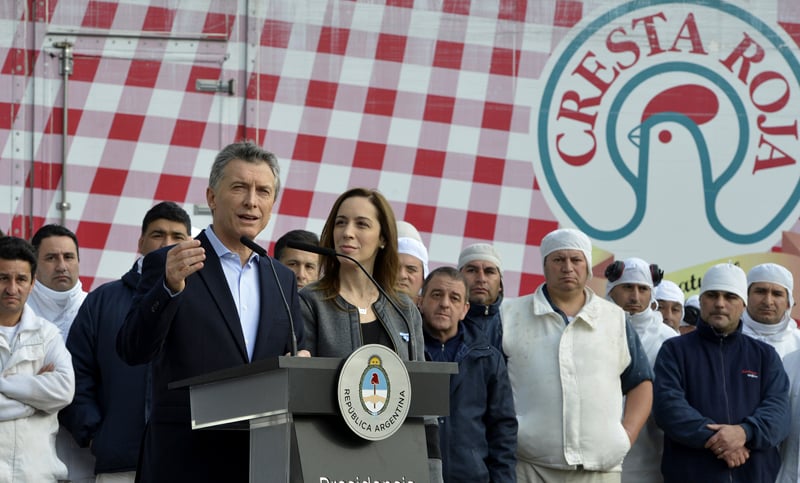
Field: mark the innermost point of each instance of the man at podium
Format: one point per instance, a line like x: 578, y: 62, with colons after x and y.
x: 208, y: 304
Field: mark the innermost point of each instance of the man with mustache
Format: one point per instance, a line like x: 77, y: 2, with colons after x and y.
x: 722, y: 398
x: 769, y: 304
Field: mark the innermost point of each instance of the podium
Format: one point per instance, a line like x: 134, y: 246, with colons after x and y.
x: 297, y: 434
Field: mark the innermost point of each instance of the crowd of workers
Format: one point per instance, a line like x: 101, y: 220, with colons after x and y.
x: 561, y: 385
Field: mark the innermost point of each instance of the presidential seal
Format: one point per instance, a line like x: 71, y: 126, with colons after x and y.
x: 374, y: 392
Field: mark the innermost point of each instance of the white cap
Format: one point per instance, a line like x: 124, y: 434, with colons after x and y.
x: 567, y: 239
x: 669, y: 291
x: 416, y: 249
x: 409, y: 242
x: 636, y: 271
x: 480, y: 251
x: 407, y: 230
x: 772, y: 273
x: 725, y: 277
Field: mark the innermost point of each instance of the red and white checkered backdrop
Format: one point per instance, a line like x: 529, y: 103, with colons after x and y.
x: 429, y: 101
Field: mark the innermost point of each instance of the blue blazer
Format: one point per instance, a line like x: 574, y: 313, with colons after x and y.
x: 196, y: 332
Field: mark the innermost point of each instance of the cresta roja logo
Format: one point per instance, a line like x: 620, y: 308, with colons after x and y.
x: 669, y: 130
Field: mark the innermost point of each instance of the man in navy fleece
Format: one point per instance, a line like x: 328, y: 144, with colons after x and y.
x: 720, y: 396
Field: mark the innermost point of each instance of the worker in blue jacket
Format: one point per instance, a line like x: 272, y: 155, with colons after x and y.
x: 478, y: 439
x: 721, y: 397
x: 109, y: 411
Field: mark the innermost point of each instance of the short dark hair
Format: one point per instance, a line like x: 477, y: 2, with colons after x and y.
x: 167, y: 210
x: 452, y: 272
x: 13, y: 248
x: 53, y: 230
x: 302, y: 236
x: 247, y: 151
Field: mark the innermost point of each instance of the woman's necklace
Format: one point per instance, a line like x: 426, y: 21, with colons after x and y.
x: 351, y: 298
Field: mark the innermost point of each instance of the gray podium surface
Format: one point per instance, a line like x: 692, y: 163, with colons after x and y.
x: 289, y: 406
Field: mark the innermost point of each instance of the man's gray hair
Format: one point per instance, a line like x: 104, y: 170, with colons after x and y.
x: 249, y: 152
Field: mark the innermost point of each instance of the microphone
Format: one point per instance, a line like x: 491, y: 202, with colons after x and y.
x: 263, y: 253
x: 330, y: 252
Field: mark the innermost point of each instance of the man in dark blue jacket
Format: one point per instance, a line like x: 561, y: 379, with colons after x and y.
x: 108, y: 412
x: 483, y: 270
x: 479, y: 439
x: 721, y: 397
